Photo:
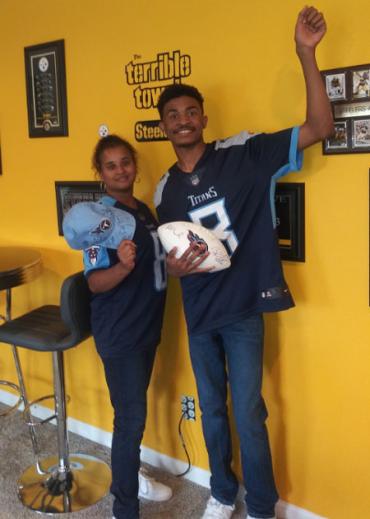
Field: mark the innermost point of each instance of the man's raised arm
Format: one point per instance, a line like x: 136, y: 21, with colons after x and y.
x: 310, y: 29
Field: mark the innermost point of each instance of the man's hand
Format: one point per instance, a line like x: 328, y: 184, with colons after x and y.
x: 188, y: 263
x: 126, y: 253
x: 310, y: 28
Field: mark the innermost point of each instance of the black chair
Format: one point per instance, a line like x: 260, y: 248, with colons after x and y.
x: 63, y: 483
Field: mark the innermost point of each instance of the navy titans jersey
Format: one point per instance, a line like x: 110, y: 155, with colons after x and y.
x: 129, y: 316
x: 231, y: 191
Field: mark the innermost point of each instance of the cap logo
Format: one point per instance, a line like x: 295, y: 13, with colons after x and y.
x: 103, y: 226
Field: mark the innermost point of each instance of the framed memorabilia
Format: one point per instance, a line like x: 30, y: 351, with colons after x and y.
x: 46, y: 89
x: 349, y: 92
x: 70, y: 193
x: 339, y: 140
x: 336, y: 86
x: 361, y: 133
x: 290, y: 220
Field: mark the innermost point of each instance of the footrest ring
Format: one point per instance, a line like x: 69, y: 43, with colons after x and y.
x: 27, y: 411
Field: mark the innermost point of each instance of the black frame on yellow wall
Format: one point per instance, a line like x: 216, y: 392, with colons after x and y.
x: 69, y: 193
x: 46, y: 89
x: 290, y: 220
x: 348, y: 89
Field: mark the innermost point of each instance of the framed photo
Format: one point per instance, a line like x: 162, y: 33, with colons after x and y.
x: 290, y: 220
x: 349, y: 92
x: 361, y: 83
x: 70, y: 193
x: 336, y: 86
x: 340, y: 138
x: 46, y: 89
x: 361, y: 133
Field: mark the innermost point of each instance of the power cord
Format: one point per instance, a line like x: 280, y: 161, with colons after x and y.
x: 184, y: 446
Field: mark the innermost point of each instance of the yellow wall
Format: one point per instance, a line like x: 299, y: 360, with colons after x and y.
x: 243, y: 60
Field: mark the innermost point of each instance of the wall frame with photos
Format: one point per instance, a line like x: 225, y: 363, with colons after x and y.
x: 46, y: 89
x: 73, y: 192
x: 290, y: 220
x: 349, y: 92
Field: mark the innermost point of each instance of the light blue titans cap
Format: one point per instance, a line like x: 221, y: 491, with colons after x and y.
x: 92, y: 223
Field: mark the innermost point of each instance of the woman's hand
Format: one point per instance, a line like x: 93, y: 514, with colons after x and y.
x: 126, y: 253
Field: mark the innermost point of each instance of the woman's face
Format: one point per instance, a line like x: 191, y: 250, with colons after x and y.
x: 118, y: 170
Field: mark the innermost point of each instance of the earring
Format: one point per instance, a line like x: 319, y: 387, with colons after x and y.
x: 102, y: 186
x: 137, y: 180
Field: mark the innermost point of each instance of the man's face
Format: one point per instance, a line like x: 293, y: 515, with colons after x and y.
x: 183, y: 122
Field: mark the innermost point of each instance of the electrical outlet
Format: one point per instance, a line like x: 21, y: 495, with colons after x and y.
x: 188, y: 407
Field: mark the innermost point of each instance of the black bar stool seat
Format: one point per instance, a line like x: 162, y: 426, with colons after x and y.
x: 41, y: 329
x: 60, y: 483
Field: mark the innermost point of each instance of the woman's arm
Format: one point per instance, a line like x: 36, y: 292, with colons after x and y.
x: 106, y: 279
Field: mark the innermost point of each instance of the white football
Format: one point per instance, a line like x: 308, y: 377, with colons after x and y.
x: 182, y: 234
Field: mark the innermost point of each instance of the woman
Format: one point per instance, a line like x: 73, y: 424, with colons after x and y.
x: 128, y: 285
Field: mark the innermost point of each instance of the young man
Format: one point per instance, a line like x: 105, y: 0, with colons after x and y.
x: 228, y: 186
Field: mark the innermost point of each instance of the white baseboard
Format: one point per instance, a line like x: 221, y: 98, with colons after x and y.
x: 152, y: 457
x: 288, y: 511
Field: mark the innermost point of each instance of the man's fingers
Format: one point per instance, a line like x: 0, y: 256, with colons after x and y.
x: 195, y: 264
x: 172, y: 252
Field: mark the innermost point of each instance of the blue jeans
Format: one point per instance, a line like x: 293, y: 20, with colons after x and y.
x: 234, y: 354
x: 128, y: 379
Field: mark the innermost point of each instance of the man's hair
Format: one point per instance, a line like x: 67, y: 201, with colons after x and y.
x: 178, y: 90
x: 110, y: 141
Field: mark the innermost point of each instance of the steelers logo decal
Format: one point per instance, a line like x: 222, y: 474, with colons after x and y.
x: 43, y: 64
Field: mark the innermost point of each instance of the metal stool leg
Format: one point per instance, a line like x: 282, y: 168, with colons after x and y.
x: 23, y: 393
x: 6, y: 383
x: 70, y: 483
x: 21, y: 389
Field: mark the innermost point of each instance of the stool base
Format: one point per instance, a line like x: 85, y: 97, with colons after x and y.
x: 86, y: 483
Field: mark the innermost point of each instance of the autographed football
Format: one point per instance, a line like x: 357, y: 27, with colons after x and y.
x: 183, y: 234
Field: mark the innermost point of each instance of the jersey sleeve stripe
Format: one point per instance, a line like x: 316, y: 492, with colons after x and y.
x: 295, y: 157
x: 294, y: 164
x: 159, y: 189
x: 236, y: 140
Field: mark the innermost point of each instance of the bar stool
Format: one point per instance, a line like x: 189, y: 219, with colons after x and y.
x: 63, y: 483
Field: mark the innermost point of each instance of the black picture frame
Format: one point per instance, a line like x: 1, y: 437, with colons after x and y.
x: 348, y: 89
x: 290, y: 220
x: 46, y: 89
x: 69, y: 193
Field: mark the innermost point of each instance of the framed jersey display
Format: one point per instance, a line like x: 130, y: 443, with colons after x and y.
x: 348, y: 90
x: 290, y: 220
x: 46, y: 89
x: 70, y: 193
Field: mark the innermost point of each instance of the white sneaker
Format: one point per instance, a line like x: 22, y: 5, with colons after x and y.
x: 217, y: 510
x: 151, y: 489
